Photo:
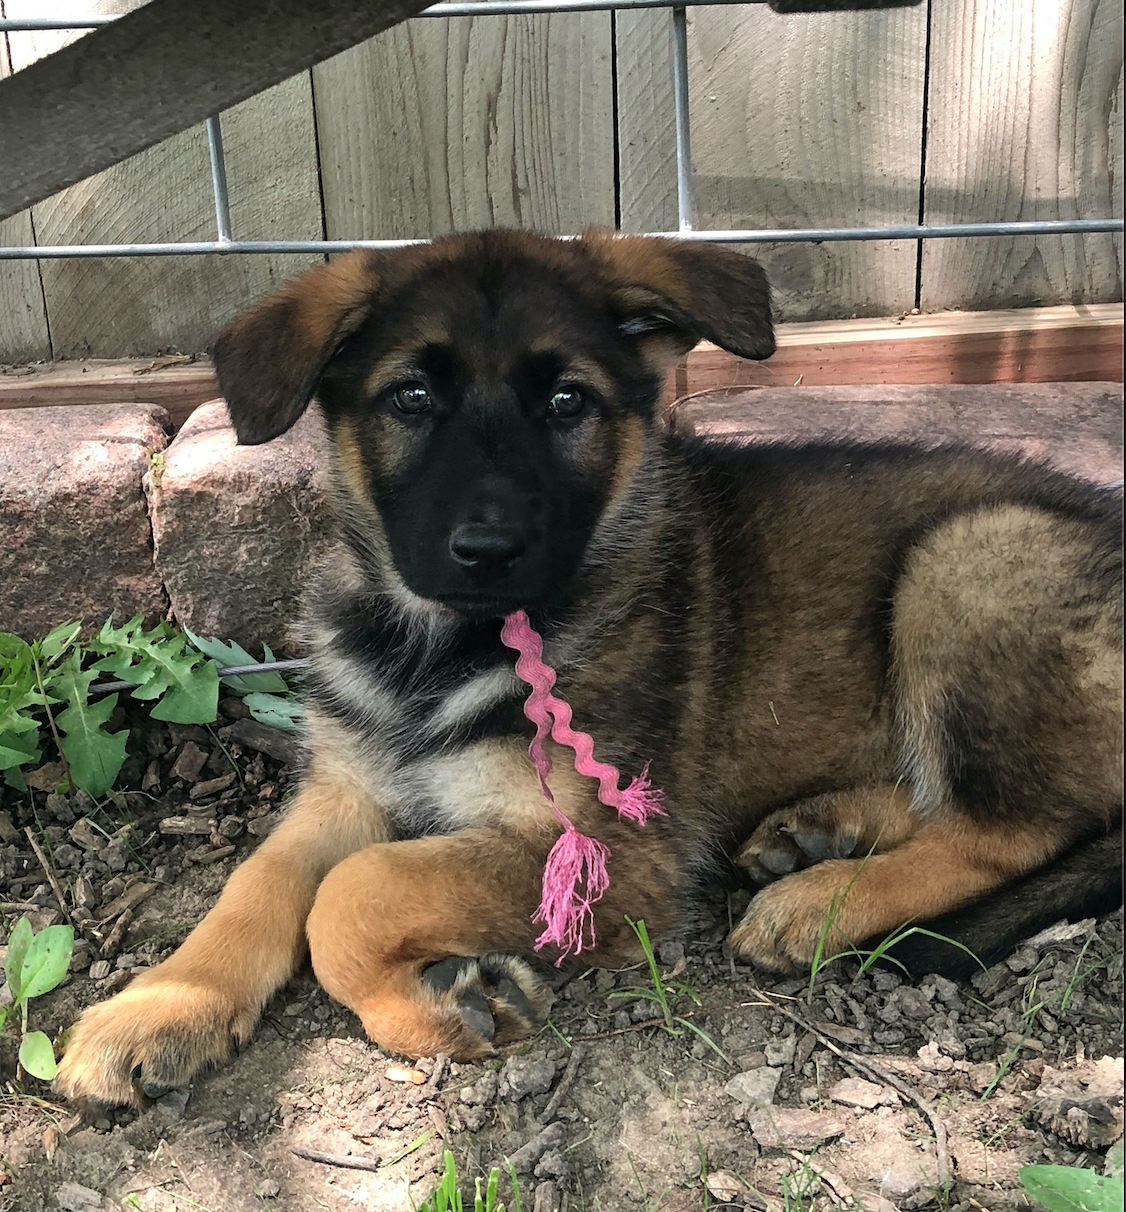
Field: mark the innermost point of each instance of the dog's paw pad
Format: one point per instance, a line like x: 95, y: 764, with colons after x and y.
x: 496, y: 997
x: 518, y: 999
x: 819, y: 845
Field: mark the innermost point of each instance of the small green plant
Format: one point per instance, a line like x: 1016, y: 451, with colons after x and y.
x: 34, y: 965
x: 1070, y: 1189
x: 268, y: 695
x: 672, y: 1022
x: 53, y: 684
x: 447, y: 1196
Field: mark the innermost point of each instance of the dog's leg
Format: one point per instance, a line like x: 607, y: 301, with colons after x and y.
x: 187, y: 1012
x: 422, y: 938
x: 1006, y: 676
x: 841, y: 902
x: 412, y: 936
x: 840, y: 824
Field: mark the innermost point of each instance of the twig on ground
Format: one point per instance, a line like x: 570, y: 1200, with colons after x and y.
x: 343, y: 1160
x: 578, y: 1055
x: 19, y: 907
x: 702, y: 1012
x: 863, y: 1063
x: 56, y: 887
x: 54, y: 729
x: 441, y: 1064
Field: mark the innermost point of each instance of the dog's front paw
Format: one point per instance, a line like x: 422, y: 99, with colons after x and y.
x: 497, y: 997
x: 788, y: 924
x: 149, y: 1039
x: 463, y: 1006
x: 797, y: 837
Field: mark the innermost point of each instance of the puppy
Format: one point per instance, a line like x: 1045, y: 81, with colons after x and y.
x: 889, y: 675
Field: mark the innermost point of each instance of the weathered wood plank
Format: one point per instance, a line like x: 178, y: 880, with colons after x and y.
x: 799, y: 121
x: 1025, y: 122
x: 130, y: 306
x: 1049, y: 344
x: 646, y: 123
x: 159, y: 71
x: 440, y: 126
x: 179, y: 387
x: 1034, y: 345
x: 23, y: 316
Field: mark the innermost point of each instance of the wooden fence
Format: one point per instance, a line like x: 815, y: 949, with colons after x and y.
x: 952, y: 111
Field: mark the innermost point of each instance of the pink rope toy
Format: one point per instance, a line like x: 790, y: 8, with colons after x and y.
x: 574, y: 876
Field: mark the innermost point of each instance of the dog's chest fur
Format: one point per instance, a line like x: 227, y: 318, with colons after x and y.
x: 434, y: 713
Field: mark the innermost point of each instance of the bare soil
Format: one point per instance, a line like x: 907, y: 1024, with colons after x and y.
x: 863, y: 1090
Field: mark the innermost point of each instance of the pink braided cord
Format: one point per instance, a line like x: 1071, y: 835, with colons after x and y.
x: 575, y: 859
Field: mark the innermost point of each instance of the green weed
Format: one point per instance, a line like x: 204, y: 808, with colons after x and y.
x: 34, y: 965
x: 54, y: 683
x: 1070, y: 1189
x: 447, y: 1196
x: 659, y: 994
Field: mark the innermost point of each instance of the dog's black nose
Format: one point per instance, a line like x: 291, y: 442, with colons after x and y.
x: 474, y: 545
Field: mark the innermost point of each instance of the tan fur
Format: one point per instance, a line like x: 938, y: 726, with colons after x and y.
x: 842, y: 902
x: 185, y: 1013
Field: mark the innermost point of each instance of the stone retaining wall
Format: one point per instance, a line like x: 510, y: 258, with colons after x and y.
x: 102, y: 513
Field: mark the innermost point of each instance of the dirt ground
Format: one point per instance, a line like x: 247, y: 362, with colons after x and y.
x: 863, y: 1090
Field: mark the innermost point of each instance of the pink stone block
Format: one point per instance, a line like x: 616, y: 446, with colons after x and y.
x: 1076, y: 427
x: 75, y: 540
x: 238, y: 528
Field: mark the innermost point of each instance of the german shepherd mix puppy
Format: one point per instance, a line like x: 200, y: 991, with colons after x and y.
x: 887, y: 678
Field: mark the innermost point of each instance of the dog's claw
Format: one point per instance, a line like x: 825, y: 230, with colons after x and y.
x: 795, y: 838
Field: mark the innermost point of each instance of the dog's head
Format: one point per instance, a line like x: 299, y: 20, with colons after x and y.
x: 489, y: 396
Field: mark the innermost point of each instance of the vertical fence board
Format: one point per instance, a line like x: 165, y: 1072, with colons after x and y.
x: 1025, y: 122
x: 23, y: 317
x: 798, y: 121
x: 646, y: 121
x: 439, y: 126
x: 128, y: 306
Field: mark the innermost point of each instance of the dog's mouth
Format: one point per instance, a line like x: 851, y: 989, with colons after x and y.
x: 479, y: 606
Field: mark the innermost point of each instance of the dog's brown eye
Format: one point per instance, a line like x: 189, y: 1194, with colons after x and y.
x: 412, y: 398
x: 567, y: 402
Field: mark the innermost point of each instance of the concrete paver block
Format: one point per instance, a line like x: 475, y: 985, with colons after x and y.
x: 1077, y: 427
x: 76, y: 540
x: 237, y: 528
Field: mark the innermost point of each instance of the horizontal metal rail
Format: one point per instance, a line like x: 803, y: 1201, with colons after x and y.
x: 460, y: 8
x: 226, y: 244
x: 811, y: 235
x: 294, y: 666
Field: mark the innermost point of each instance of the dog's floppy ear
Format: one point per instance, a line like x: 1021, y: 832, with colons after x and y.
x: 270, y: 359
x: 689, y: 290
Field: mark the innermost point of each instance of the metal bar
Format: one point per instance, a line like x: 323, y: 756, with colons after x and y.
x: 813, y: 235
x: 456, y: 8
x: 229, y: 671
x: 219, y: 179
x: 195, y: 248
x: 19, y: 25
x: 946, y: 231
x: 683, y: 134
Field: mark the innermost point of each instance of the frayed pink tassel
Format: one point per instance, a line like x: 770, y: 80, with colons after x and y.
x: 640, y: 800
x: 566, y: 913
x: 574, y: 878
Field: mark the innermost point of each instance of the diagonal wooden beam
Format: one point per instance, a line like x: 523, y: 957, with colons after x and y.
x: 166, y: 66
